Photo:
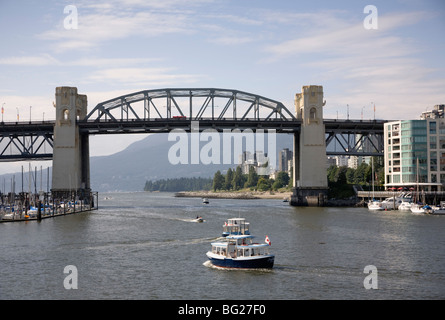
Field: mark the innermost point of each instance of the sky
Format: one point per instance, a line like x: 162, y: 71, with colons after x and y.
x: 391, y: 56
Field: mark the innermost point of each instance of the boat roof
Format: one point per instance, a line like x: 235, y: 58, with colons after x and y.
x: 238, y: 236
x: 237, y: 219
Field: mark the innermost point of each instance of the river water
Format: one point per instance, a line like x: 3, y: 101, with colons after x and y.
x: 146, y: 246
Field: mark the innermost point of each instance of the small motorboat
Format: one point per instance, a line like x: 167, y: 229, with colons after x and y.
x: 205, y: 200
x: 199, y: 219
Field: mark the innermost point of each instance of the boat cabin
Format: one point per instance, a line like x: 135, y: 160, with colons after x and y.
x: 237, y: 226
x: 239, y: 246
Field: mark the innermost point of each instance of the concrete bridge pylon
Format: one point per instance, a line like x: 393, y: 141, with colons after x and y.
x: 309, y: 175
x: 71, y: 169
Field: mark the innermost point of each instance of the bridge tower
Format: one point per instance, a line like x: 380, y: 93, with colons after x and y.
x: 71, y: 164
x: 310, y: 179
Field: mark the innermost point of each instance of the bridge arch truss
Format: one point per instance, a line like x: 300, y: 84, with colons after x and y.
x: 192, y: 104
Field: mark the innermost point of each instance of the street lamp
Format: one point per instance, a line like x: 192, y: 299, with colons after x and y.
x: 30, y: 107
x: 17, y: 114
x: 3, y: 110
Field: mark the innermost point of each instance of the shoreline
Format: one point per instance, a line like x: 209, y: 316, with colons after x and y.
x: 252, y: 195
x: 235, y: 195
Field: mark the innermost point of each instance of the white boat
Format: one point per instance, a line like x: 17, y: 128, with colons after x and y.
x: 205, y: 200
x: 405, y: 206
x: 375, y: 205
x: 10, y: 216
x: 239, y: 251
x: 391, y: 203
x: 418, y: 208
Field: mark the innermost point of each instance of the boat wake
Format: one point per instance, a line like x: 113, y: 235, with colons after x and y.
x: 210, y: 265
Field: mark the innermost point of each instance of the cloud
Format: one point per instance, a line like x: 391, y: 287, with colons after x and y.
x: 142, y: 77
x: 39, y: 60
x: 384, y: 66
x: 99, y: 23
x: 350, y: 39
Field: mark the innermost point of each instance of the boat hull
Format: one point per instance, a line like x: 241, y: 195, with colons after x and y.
x: 261, y: 262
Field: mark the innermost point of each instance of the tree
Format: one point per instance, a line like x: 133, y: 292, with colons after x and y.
x: 332, y: 173
x: 252, y: 178
x: 218, y: 180
x: 264, y: 184
x: 228, y: 180
x: 341, y: 175
x: 281, y: 181
x: 359, y: 175
x: 237, y: 181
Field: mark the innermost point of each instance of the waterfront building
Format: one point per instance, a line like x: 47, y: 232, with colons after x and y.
x: 415, y: 153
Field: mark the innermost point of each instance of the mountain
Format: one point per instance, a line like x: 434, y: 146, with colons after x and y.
x: 148, y: 159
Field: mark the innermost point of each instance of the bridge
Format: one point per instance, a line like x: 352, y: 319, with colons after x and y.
x: 65, y: 140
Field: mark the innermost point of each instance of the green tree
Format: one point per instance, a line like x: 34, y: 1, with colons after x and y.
x: 228, y: 180
x: 264, y: 184
x: 252, y: 178
x: 341, y: 175
x: 359, y: 175
x: 332, y: 173
x: 218, y: 181
x: 350, y: 176
x: 281, y: 181
x: 237, y: 181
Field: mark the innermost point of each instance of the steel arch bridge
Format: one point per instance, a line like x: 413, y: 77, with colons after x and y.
x: 162, y: 110
x: 193, y: 104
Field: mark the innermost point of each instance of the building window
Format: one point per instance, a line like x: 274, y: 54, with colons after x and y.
x: 432, y: 127
x: 313, y: 113
x: 433, y: 177
x: 433, y: 142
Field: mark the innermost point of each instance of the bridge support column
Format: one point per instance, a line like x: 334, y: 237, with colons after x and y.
x: 310, y: 177
x: 71, y: 164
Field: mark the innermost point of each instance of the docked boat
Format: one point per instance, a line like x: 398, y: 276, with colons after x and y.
x: 418, y: 208
x: 440, y: 209
x: 375, y: 205
x: 405, y: 206
x: 236, y: 226
x: 239, y: 251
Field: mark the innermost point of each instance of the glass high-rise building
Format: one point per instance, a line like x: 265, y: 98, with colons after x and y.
x: 415, y: 154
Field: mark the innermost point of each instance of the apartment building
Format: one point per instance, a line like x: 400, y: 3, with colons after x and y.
x: 415, y: 153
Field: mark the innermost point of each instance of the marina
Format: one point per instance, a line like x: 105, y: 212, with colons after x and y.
x: 43, y: 206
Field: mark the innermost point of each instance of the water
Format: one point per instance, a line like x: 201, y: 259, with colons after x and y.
x: 145, y: 246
